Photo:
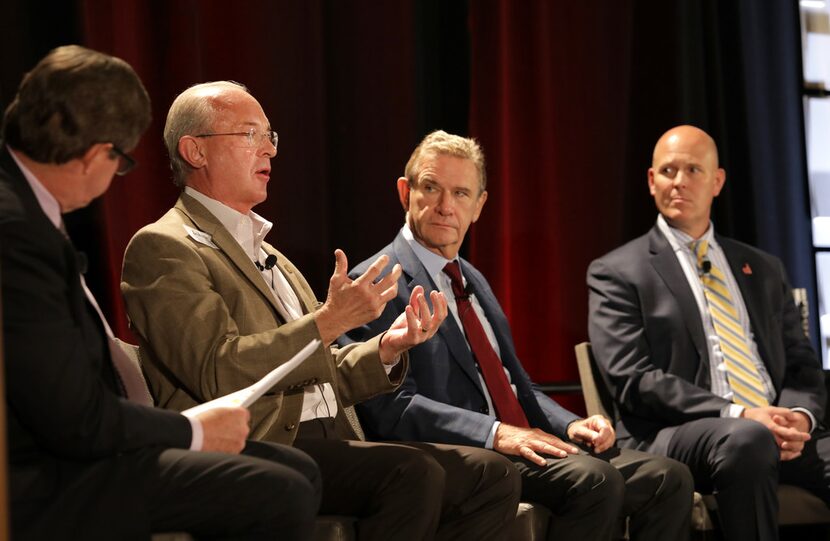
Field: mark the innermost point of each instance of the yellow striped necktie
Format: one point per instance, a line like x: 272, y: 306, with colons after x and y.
x: 742, y: 374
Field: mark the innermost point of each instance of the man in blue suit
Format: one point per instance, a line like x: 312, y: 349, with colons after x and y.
x: 466, y: 385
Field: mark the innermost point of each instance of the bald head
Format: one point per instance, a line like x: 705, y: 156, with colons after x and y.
x: 684, y: 178
x: 686, y: 137
x: 193, y: 112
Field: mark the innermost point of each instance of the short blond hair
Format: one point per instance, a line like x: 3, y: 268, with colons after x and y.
x: 191, y: 113
x: 440, y: 143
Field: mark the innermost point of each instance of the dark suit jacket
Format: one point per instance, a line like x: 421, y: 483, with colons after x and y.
x: 63, y: 405
x: 649, y: 342
x: 441, y: 399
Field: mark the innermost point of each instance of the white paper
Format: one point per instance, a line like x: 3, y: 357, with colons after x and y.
x: 247, y: 396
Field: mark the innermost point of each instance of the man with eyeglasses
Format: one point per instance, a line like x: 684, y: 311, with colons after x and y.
x: 216, y: 307
x: 89, y: 457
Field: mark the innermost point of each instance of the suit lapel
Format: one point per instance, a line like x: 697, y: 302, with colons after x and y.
x: 453, y: 336
x: 205, y: 221
x: 665, y: 263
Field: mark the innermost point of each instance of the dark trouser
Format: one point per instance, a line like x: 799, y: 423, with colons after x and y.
x: 268, y: 492
x: 738, y: 460
x: 414, y: 491
x: 588, y: 495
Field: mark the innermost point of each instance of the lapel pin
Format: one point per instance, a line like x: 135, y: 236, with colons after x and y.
x: 746, y: 269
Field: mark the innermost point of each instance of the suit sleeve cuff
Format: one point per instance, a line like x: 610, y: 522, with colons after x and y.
x: 488, y: 444
x: 812, y: 417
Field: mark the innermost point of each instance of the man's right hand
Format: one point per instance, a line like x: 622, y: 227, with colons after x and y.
x: 783, y: 423
x: 528, y: 442
x: 352, y: 303
x: 224, y: 429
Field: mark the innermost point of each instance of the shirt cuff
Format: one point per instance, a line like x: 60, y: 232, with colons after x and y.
x: 390, y: 366
x: 813, y: 422
x: 198, y: 434
x: 732, y: 410
x: 492, y: 436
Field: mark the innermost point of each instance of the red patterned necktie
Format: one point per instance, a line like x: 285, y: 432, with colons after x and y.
x: 504, y: 400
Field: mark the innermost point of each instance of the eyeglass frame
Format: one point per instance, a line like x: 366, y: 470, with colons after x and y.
x: 273, y: 136
x: 129, y: 163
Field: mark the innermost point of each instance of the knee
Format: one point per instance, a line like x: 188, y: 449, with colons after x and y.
x: 498, y: 475
x: 416, y: 472
x: 599, y: 481
x: 675, y: 483
x: 747, y: 450
x: 297, y: 494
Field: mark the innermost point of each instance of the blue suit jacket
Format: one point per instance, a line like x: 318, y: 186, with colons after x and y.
x: 441, y: 399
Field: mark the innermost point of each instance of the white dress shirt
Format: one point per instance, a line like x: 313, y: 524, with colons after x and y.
x: 679, y: 242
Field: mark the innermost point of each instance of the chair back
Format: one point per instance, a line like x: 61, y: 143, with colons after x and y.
x: 598, y: 400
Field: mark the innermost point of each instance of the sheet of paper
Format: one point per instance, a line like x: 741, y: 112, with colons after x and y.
x: 247, y: 396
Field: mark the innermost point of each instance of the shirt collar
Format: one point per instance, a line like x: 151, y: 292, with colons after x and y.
x: 46, y: 200
x: 249, y: 230
x: 680, y: 240
x: 433, y: 262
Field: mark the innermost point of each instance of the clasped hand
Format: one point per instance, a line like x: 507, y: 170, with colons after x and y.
x: 791, y: 429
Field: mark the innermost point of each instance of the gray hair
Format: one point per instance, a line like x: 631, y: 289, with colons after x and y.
x: 440, y: 142
x: 192, y: 112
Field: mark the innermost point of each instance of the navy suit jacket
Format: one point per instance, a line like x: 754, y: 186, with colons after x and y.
x: 648, y: 338
x: 441, y: 399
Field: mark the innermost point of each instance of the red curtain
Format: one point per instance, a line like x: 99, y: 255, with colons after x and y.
x: 548, y: 103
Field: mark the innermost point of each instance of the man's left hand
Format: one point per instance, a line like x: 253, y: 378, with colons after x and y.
x: 595, y: 431
x: 415, y: 325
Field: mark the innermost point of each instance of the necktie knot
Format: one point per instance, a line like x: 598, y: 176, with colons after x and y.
x: 453, y: 270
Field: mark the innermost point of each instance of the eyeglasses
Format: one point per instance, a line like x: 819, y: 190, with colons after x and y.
x: 254, y: 136
x: 126, y: 163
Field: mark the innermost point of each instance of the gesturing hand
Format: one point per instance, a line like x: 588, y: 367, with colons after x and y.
x: 352, y: 303
x: 529, y: 442
x: 224, y: 429
x: 414, y: 325
x: 595, y: 431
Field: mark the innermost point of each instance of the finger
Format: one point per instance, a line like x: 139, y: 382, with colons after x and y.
x: 584, y: 434
x: 789, y: 455
x: 373, y: 271
x: 389, y: 293
x: 341, y: 263
x: 559, y: 444
x: 562, y: 447
x: 390, y: 279
x: 413, y: 297
x: 439, y: 306
x: 789, y: 433
x: 542, y: 447
x: 527, y: 452
x: 413, y: 326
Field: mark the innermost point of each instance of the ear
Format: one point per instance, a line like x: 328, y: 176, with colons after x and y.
x: 93, y: 154
x: 404, y: 190
x: 651, y: 180
x: 720, y: 180
x: 479, y: 205
x: 192, y: 152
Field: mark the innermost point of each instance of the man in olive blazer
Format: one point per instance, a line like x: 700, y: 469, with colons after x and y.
x: 216, y: 308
